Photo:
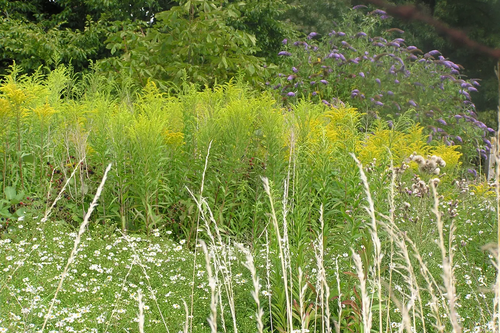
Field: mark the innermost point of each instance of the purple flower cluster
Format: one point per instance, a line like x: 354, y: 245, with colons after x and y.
x: 394, y: 78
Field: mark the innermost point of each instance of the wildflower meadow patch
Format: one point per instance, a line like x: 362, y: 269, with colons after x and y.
x: 346, y: 198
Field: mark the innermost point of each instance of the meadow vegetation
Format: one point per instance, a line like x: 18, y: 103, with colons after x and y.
x: 305, y: 207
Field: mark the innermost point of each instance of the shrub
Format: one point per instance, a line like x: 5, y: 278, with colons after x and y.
x: 383, y: 77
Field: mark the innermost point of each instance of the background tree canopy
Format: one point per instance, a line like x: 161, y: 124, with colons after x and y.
x: 216, y: 39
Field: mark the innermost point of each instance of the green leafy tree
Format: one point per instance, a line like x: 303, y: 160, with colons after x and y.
x: 265, y: 19
x: 318, y: 16
x: 193, y: 39
x: 43, y: 33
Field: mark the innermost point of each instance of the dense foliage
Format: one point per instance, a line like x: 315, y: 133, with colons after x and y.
x: 384, y: 77
x: 189, y: 168
x: 200, y: 166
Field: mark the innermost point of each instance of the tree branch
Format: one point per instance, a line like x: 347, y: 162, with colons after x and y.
x: 410, y: 13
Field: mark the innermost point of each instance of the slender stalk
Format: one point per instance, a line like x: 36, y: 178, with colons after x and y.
x: 282, y: 255
x: 77, y: 243
x: 497, y: 190
x: 18, y: 145
x: 196, y: 240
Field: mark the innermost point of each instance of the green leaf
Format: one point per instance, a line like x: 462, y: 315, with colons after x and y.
x: 10, y: 193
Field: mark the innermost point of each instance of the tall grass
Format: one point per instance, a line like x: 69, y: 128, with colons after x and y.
x: 340, y: 243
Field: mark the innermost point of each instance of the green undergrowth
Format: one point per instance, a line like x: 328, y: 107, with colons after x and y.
x: 337, y: 246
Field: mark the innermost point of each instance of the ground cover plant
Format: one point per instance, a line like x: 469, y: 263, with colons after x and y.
x: 189, y: 168
x: 230, y: 209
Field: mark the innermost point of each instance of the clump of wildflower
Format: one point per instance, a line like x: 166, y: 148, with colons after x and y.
x: 431, y: 165
x: 419, y: 187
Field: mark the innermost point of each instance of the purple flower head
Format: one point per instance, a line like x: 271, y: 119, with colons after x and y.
x: 284, y: 41
x: 390, y: 123
x: 378, y: 44
x: 412, y: 57
x: 362, y: 74
x: 359, y: 7
x: 333, y: 33
x: 480, y: 124
x: 473, y: 172
x: 344, y: 43
x: 284, y: 53
x: 472, y: 89
x: 463, y: 92
x: 396, y: 81
x: 354, y: 61
x: 323, y: 81
x: 277, y: 86
x: 378, y: 81
x: 313, y: 83
x: 361, y: 34
x: 429, y: 139
x: 411, y: 48
x: 341, y: 34
x: 395, y: 44
x: 378, y: 12
x: 487, y: 142
x: 441, y: 121
x: 314, y: 93
x: 294, y: 69
x: 326, y: 102
x: 312, y: 35
x: 341, y: 56
x: 458, y: 117
x: 354, y: 93
x: 454, y: 72
x: 390, y: 93
x: 291, y: 94
x: 459, y: 139
x: 474, y: 82
x: 379, y: 103
x: 434, y: 52
x: 400, y: 61
x: 464, y: 84
x: 491, y: 130
x: 412, y: 103
x: 291, y: 77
